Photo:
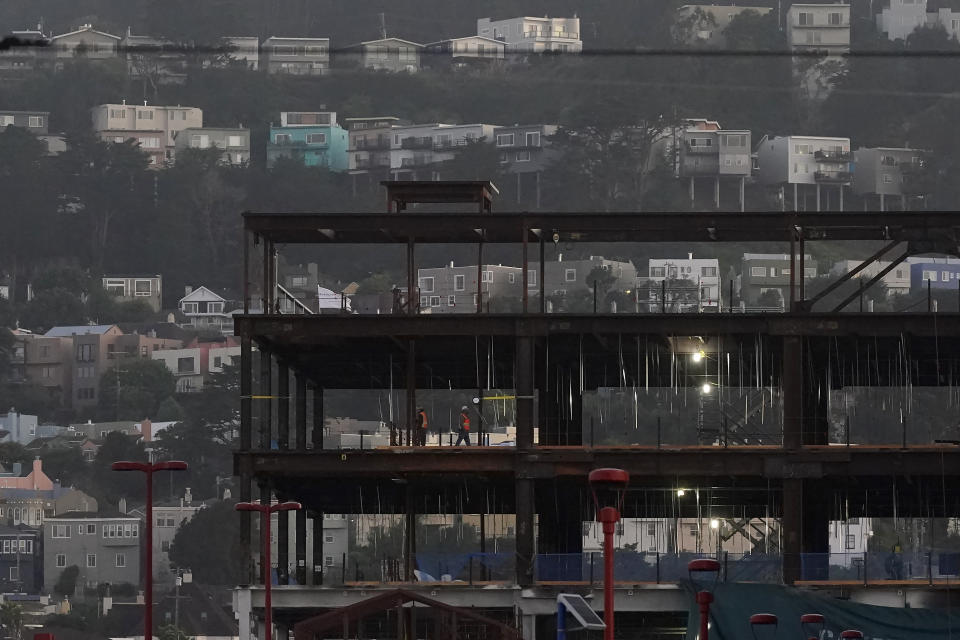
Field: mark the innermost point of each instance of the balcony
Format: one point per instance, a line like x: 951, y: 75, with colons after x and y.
x: 833, y: 177
x: 381, y: 144
x: 702, y: 149
x: 832, y: 156
x: 416, y: 162
x: 569, y: 35
x: 367, y: 163
x: 425, y: 142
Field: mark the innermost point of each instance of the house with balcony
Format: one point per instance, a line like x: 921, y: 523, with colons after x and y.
x: 155, y: 128
x: 524, y: 150
x: 296, y: 56
x: 131, y: 288
x: 692, y: 284
x: 417, y: 150
x: 313, y: 138
x: 715, y: 155
x: 896, y: 282
x: 84, y: 42
x: 386, y: 54
x: 769, y: 273
x: 810, y: 173
x: 205, y: 310
x: 105, y: 547
x: 44, y: 361
x: 818, y: 29
x: 704, y: 24
x: 368, y: 148
x: 529, y: 34
x: 233, y: 142
x: 459, y: 52
x: 885, y: 175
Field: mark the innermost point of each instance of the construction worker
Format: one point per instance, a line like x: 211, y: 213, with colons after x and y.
x: 420, y: 437
x: 464, y: 434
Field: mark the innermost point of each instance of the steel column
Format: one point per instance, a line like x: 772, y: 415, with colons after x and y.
x: 283, y: 405
x: 246, y: 442
x: 264, y: 399
x: 316, y: 434
x: 525, y: 531
x: 283, y: 547
x: 792, y: 392
x: 523, y: 366
x: 301, y: 546
x: 300, y: 437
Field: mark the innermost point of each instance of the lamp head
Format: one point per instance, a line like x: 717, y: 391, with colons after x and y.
x: 608, y: 486
x: 704, y: 573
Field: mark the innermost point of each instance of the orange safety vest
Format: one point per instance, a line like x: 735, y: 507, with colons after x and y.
x: 465, y: 420
x: 423, y: 419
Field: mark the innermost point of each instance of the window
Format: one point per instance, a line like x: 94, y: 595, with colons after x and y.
x: 835, y: 19
x: 814, y: 37
x: 758, y: 271
x: 329, y: 539
x: 511, y: 278
x: 620, y: 528
x: 149, y: 143
x: 657, y: 272
x: 708, y: 271
x: 136, y: 529
x: 424, y: 301
x: 533, y: 139
x: 316, y: 138
x: 234, y: 141
x: 735, y: 140
x: 35, y: 122
x: 773, y: 272
x: 315, y: 50
x: 887, y: 178
x: 434, y: 301
x: 532, y: 278
x: 328, y: 561
x: 930, y: 275
x: 945, y: 275
x: 850, y: 542
x: 145, y: 114
x: 200, y: 141
x: 505, y: 140
x: 810, y: 272
x: 587, y: 528
x: 426, y: 284
x: 701, y: 142
x: 214, y: 307
x: 801, y: 148
x: 523, y: 156
x: 85, y: 353
x: 91, y: 560
x: 14, y: 574
x: 652, y: 529
x: 451, y: 300
x: 61, y: 560
x: 804, y: 19
x: 570, y: 275
x: 46, y: 372
x: 487, y: 276
x: 185, y: 365
x: 91, y: 529
x: 458, y: 282
x: 165, y: 546
x: 61, y: 531
x: 785, y: 271
x: 118, y: 113
x: 191, y: 307
x: 282, y: 138
x: 6, y: 546
x: 121, y: 559
x: 142, y: 288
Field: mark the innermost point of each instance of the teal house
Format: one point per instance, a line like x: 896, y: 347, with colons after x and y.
x: 313, y: 138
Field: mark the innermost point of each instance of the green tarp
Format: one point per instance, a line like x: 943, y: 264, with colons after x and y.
x: 735, y: 603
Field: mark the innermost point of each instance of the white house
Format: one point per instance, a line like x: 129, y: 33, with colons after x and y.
x: 901, y: 18
x: 703, y: 272
x: 204, y: 309
x: 534, y: 35
x: 417, y: 146
x: 809, y: 165
x: 897, y: 281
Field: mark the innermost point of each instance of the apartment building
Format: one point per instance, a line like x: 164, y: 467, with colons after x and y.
x: 368, y: 148
x: 32, y: 507
x: 44, y: 361
x: 524, y: 150
x: 205, y: 310
x: 416, y: 149
x: 296, y: 56
x: 453, y: 289
x: 313, y: 138
x: 21, y: 559
x: 935, y: 273
x: 243, y: 51
x: 155, y: 128
x: 84, y: 42
x: 130, y: 288
x: 192, y: 364
x: 17, y: 61
x: 565, y: 276
x: 19, y: 427
x: 386, y: 54
x: 901, y: 17
x: 888, y: 176
x: 703, y: 293
x: 716, y: 155
x: 98, y: 348
x: 528, y: 34
x: 704, y: 24
x: 815, y: 168
x: 897, y: 281
x: 105, y: 547
x: 168, y: 517
x: 762, y: 273
x: 233, y: 142
x: 463, y: 51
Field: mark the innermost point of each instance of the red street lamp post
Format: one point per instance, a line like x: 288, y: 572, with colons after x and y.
x: 608, y: 486
x: 815, y: 620
x: 762, y: 620
x: 265, y: 512
x: 704, y: 595
x: 851, y: 634
x: 148, y: 469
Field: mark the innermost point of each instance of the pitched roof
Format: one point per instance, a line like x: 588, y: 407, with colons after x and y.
x: 91, y: 515
x: 83, y: 29
x: 202, y: 293
x: 67, y: 331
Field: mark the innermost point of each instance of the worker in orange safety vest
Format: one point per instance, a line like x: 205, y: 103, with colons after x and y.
x: 420, y: 436
x: 464, y: 435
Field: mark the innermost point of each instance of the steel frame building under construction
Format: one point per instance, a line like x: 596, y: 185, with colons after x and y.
x: 550, y: 361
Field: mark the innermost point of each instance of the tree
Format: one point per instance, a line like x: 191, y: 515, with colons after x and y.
x: 135, y: 389
x: 108, y: 485
x: 169, y: 411
x: 11, y: 615
x: 53, y: 307
x: 66, y: 466
x: 171, y: 632
x: 66, y: 584
x: 213, y: 559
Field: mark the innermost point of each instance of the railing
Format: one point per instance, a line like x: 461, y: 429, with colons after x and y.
x: 833, y: 176
x: 416, y: 143
x: 702, y: 149
x: 373, y: 145
x: 572, y: 35
x: 832, y: 156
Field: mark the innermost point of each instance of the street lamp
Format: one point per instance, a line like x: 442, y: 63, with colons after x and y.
x: 762, y: 620
x: 815, y: 620
x: 704, y: 593
x: 266, y: 510
x: 148, y: 468
x: 608, y: 486
x: 851, y: 634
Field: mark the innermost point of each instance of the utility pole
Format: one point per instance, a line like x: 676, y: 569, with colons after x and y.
x: 383, y: 26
